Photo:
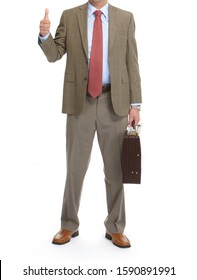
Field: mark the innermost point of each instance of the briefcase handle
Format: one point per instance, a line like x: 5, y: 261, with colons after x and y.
x: 133, y: 129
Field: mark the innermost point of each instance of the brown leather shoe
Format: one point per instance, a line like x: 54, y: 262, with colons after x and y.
x: 118, y: 239
x: 64, y: 236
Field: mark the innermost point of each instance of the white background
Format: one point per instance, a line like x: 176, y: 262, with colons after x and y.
x: 161, y: 212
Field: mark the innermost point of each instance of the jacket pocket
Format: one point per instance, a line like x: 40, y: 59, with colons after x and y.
x: 69, y: 77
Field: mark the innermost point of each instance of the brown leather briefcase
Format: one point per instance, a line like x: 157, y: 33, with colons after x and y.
x: 131, y: 158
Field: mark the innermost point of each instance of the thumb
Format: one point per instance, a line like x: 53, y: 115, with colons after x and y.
x: 46, y: 16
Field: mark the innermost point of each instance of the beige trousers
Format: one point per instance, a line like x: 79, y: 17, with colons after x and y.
x: 98, y: 115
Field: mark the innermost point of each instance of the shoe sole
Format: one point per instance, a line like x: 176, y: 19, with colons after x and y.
x: 76, y: 233
x: 110, y: 238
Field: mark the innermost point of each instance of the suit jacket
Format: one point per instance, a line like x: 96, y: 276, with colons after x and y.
x: 71, y: 38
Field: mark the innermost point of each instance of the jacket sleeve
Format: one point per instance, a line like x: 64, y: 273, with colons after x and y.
x: 132, y: 65
x: 55, y: 48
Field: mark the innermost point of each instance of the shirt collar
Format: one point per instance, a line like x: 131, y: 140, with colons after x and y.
x: 92, y: 9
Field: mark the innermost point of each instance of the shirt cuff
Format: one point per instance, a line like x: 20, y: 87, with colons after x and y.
x: 43, y: 38
x: 135, y: 105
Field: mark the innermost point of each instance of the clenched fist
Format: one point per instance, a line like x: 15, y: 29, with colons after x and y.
x: 45, y: 24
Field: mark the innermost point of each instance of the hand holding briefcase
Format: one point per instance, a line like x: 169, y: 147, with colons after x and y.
x: 131, y: 156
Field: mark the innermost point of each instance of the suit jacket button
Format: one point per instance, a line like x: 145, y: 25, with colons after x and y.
x: 85, y: 79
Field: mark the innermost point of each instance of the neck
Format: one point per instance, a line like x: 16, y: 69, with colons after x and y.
x: 98, y: 4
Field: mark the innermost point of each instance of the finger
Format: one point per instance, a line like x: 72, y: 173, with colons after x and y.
x: 45, y: 24
x: 137, y: 120
x: 133, y: 123
x: 130, y: 121
x: 44, y: 30
x: 46, y: 16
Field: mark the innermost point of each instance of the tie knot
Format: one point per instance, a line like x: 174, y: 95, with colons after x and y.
x: 98, y: 13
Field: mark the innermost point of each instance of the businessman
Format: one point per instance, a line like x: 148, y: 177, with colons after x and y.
x: 102, y: 94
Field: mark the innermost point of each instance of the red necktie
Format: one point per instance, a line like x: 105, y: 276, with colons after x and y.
x: 96, y: 58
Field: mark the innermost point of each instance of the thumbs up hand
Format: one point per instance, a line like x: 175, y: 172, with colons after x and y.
x: 45, y: 24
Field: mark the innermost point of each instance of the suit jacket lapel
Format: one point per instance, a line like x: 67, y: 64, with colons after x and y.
x: 82, y: 20
x: 113, y: 19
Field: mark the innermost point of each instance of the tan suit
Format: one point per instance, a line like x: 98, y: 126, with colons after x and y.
x: 71, y: 38
x: 107, y: 114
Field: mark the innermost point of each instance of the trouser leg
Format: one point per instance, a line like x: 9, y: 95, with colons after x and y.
x: 80, y: 135
x: 111, y: 128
